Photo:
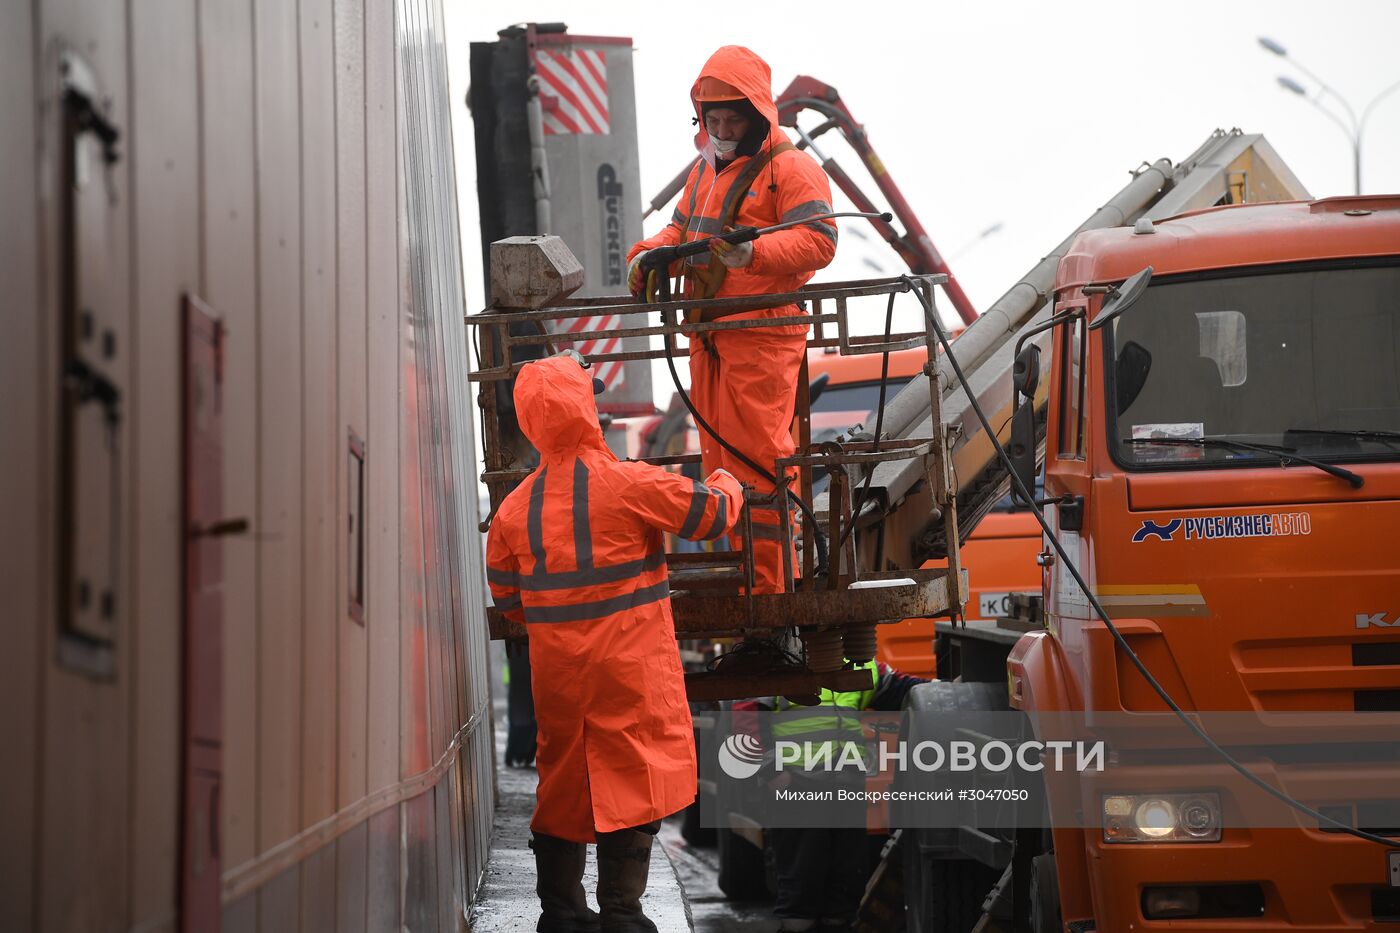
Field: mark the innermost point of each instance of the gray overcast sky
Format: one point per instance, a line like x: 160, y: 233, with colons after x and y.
x: 1027, y: 114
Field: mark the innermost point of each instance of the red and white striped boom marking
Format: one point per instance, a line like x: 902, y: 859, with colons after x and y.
x: 574, y: 96
x: 573, y: 90
x: 610, y: 372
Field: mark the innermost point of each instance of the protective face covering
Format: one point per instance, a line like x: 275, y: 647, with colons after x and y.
x: 723, y: 146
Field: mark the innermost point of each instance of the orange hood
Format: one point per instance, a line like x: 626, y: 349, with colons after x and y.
x: 554, y: 404
x: 741, y: 67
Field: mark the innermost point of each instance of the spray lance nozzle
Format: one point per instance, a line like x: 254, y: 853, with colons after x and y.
x: 661, y: 257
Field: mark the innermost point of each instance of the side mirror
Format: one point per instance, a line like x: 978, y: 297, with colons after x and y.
x: 1021, y: 450
x: 1025, y: 372
x: 1122, y: 298
x: 816, y: 388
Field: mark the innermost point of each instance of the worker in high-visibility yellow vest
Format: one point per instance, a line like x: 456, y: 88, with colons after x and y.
x: 821, y: 872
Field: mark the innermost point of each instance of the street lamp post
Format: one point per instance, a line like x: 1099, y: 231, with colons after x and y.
x: 1354, y: 126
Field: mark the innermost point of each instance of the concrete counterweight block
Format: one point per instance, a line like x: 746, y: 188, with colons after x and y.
x: 532, y: 272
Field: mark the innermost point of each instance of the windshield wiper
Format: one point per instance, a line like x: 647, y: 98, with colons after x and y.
x: 1391, y: 436
x: 1284, y: 455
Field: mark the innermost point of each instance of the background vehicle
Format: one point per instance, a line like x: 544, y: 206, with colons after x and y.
x: 999, y: 554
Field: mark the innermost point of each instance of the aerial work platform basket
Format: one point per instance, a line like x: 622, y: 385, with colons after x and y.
x: 831, y: 615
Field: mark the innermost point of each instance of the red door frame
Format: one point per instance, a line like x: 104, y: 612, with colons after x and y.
x: 202, y: 580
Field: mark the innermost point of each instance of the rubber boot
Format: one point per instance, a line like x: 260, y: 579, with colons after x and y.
x: 559, y: 874
x: 624, y: 858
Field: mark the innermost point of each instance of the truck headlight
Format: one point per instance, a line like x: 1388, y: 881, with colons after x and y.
x: 1161, y: 818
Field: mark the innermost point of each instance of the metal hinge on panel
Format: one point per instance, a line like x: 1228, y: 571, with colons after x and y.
x: 91, y: 464
x: 355, y: 542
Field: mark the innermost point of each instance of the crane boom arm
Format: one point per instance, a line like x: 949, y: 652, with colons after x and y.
x: 1229, y: 167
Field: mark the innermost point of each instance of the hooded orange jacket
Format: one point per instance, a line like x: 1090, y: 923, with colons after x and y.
x: 791, y: 187
x: 576, y: 554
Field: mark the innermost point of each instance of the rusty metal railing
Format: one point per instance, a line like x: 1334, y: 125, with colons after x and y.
x: 837, y: 294
x: 713, y: 591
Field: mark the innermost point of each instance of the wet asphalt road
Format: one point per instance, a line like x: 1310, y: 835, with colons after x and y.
x: 697, y: 868
x: 508, y: 902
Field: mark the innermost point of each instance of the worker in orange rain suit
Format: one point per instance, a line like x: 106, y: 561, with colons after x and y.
x: 744, y: 382
x: 575, y: 553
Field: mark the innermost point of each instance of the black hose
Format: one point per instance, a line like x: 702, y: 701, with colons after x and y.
x: 823, y: 555
x: 859, y: 501
x: 1161, y: 692
x: 658, y: 260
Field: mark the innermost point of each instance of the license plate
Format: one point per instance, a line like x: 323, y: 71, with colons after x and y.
x: 991, y: 605
x: 1394, y: 859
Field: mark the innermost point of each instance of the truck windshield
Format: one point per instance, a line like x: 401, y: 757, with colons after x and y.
x: 1303, y: 359
x: 858, y: 398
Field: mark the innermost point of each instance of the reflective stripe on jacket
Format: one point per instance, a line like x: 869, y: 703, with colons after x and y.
x: 575, y: 552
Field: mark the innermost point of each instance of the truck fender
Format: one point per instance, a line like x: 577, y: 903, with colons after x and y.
x: 1035, y: 674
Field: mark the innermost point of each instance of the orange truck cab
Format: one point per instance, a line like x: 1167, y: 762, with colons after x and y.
x: 999, y: 554
x: 845, y: 390
x: 1245, y: 579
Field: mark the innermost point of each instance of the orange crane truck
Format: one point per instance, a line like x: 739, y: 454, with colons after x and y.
x: 1222, y: 468
x: 957, y: 878
x: 1268, y: 336
x: 1219, y: 424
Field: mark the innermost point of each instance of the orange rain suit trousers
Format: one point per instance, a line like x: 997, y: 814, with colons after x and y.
x: 576, y: 554
x: 744, y: 382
